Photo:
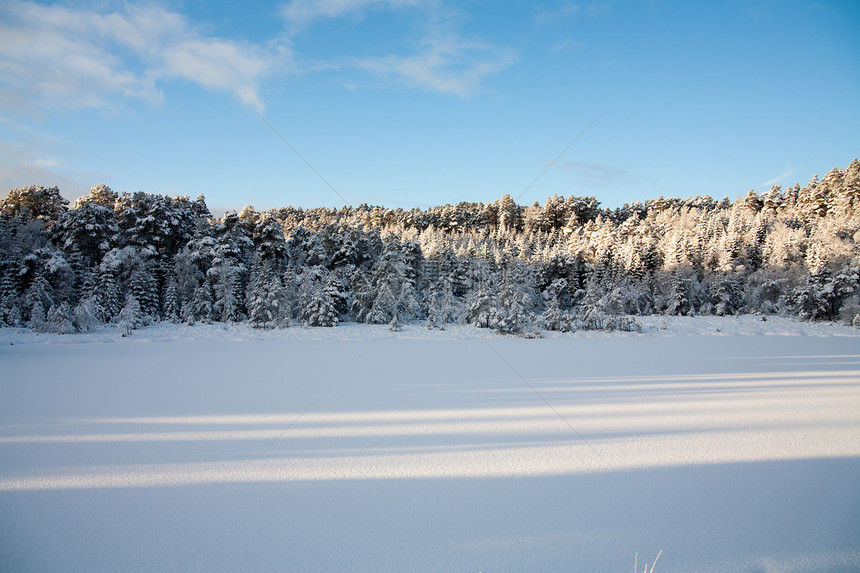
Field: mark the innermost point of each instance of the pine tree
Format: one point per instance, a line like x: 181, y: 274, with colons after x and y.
x: 678, y: 302
x: 145, y: 290
x: 14, y: 318
x: 515, y: 303
x: 37, y: 301
x: 87, y: 232
x: 363, y: 297
x: 107, y: 295
x: 481, y: 305
x: 227, y: 303
x: 9, y: 300
x: 34, y: 202
x: 201, y: 308
x: 384, y: 307
x: 267, y: 304
x: 811, y: 300
x: 85, y: 315
x: 557, y: 297
x: 320, y: 310
x: 129, y: 316
x: 171, y: 308
x: 269, y: 242
x: 395, y: 292
x: 59, y: 319
x: 726, y: 295
x: 432, y: 321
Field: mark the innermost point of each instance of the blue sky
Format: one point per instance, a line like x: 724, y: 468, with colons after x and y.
x: 411, y: 103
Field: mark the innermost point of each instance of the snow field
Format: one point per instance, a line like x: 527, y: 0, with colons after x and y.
x: 425, y: 451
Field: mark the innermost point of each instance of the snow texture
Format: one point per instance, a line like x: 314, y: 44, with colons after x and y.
x: 729, y: 443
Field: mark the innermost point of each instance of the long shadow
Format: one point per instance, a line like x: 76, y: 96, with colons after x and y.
x: 764, y: 516
x: 759, y: 516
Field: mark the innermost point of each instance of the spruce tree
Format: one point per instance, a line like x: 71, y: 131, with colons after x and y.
x: 59, y: 319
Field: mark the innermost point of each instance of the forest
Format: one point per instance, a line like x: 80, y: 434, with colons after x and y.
x: 132, y: 259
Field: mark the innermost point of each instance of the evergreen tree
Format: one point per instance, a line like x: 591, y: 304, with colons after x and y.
x: 171, y: 307
x: 515, y: 309
x: 481, y: 305
x: 37, y: 301
x: 9, y: 300
x: 556, y: 315
x: 59, y: 319
x: 85, y: 315
x: 267, y: 304
x: 145, y: 290
x: 363, y: 296
x: 35, y: 203
x: 784, y: 251
x: 726, y: 296
x: 201, y: 308
x: 269, y: 242
x: 678, y: 300
x: 107, y: 296
x: 129, y: 316
x: 87, y: 233
x: 318, y: 308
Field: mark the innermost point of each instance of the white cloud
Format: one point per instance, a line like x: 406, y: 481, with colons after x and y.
x: 450, y: 65
x: 439, y: 59
x: 75, y: 58
x: 58, y: 57
x: 219, y: 65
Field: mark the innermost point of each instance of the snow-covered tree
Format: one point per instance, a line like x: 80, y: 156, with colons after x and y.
x: 726, y: 295
x: 10, y: 311
x: 144, y: 287
x: 317, y: 305
x: 269, y: 243
x: 267, y: 301
x: 514, y: 313
x: 129, y: 316
x: 59, y: 319
x: 201, y: 307
x: 481, y: 304
x: 171, y: 308
x: 787, y: 250
x: 107, y: 296
x: 37, y: 301
x: 227, y: 304
x: 34, y: 202
x: 85, y: 315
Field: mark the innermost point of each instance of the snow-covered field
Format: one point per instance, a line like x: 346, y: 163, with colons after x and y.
x: 731, y: 444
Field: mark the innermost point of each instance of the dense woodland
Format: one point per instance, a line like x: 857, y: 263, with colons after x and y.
x: 131, y: 259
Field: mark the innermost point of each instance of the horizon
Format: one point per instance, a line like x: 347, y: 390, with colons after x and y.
x: 414, y: 104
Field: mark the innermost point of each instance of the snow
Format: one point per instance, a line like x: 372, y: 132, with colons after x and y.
x: 729, y: 443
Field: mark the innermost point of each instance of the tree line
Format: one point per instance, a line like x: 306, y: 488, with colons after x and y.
x: 131, y: 259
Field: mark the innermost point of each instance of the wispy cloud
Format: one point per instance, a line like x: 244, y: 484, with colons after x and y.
x: 568, y: 9
x: 62, y: 57
x: 447, y: 65
x: 301, y: 12
x: 435, y: 56
x: 563, y: 46
x: 789, y: 171
x: 35, y: 164
x: 59, y: 57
